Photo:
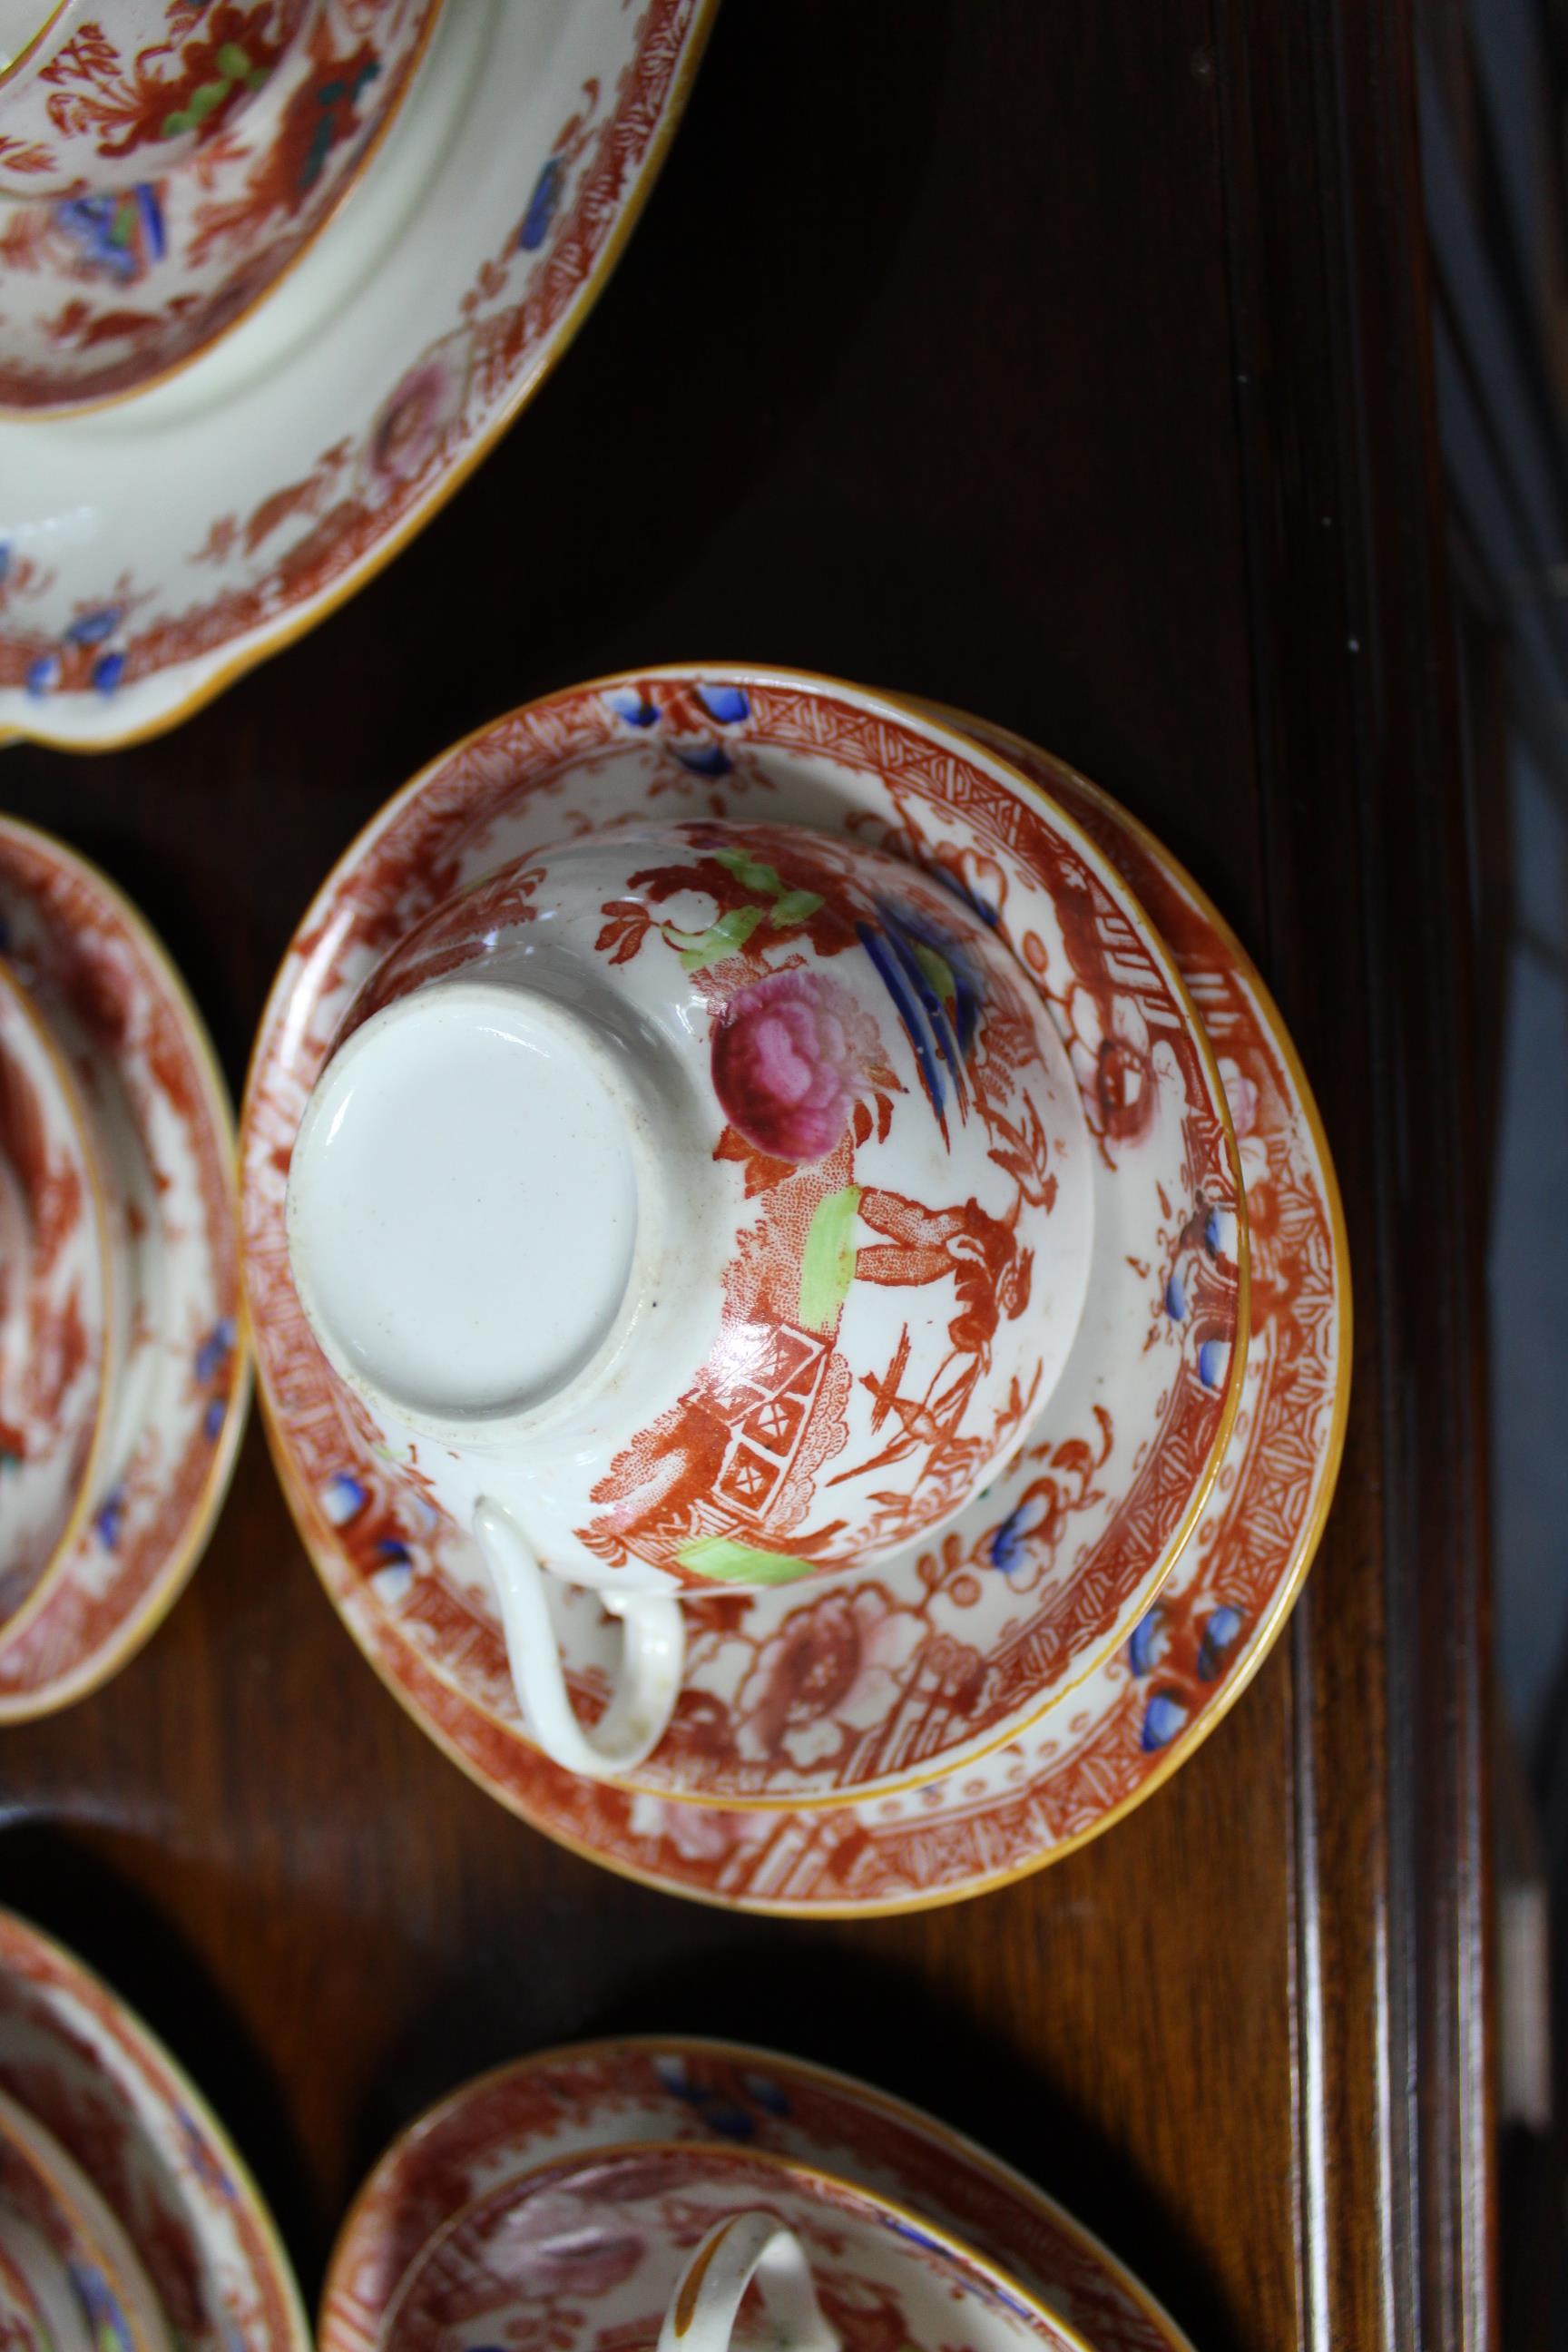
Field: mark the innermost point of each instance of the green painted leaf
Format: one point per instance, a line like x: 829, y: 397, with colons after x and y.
x: 202, y: 100
x: 827, y: 1264
x: 937, y: 970
x: 729, y: 1562
x: 233, y: 61
x: 795, y: 906
x: 729, y: 934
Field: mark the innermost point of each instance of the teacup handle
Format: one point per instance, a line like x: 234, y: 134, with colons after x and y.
x: 646, y: 1684
x: 709, y: 2294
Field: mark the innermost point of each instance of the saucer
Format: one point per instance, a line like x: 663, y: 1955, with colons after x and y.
x: 590, y: 2251
x: 1111, y: 1741
x: 952, y: 1649
x: 594, y: 2097
x: 150, y: 551
x: 59, y: 1322
x: 86, y: 2067
x: 44, y: 2189
x: 121, y: 1012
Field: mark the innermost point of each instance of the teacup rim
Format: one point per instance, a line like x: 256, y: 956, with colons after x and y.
x: 21, y: 1001
x: 892, y: 2211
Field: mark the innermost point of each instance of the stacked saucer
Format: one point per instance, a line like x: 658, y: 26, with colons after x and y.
x: 1044, y: 1606
x: 274, y: 274
x: 123, y: 1381
x: 574, y: 2197
x: 126, y: 2219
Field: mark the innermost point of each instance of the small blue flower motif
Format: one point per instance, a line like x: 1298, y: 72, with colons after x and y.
x: 1220, y: 1637
x: 1213, y: 1357
x: 1162, y: 1717
x: 634, y: 708
x: 44, y: 675
x: 341, y: 1497
x: 542, y: 205
x: 92, y: 628
x: 728, y: 704
x: 1175, y: 1298
x: 215, y: 1350
x: 1010, y: 1541
x: 110, y: 1518
x: 730, y: 2122
x: 704, y: 758
x: 106, y: 672
x: 1147, y: 1641
x: 770, y: 2096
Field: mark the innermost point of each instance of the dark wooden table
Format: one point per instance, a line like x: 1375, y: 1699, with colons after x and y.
x: 1068, y: 363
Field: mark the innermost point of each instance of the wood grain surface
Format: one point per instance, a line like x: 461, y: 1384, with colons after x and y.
x: 1067, y: 364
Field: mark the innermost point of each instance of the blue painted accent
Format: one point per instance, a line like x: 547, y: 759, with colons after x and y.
x: 211, y: 1420
x: 935, y: 1011
x: 92, y: 628
x: 704, y: 758
x: 730, y: 2122
x: 396, y: 1555
x: 909, y: 1013
x: 5, y: 561
x: 152, y: 218
x: 1213, y: 1358
x: 1213, y: 1231
x: 672, y: 2071
x: 1164, y: 1718
x: 1220, y: 1636
x: 43, y: 675
x: 215, y: 1350
x: 344, y: 1496
x: 634, y: 708
x: 1175, y: 1298
x: 110, y: 1517
x: 542, y: 205
x: 106, y: 672
x: 1146, y: 1644
x: 728, y: 704
x: 770, y: 2096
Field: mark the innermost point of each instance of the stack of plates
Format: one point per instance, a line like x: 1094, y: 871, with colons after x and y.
x: 127, y: 2221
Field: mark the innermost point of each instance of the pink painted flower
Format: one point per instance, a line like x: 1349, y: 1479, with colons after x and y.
x: 833, y: 1670
x: 791, y: 1056
x: 415, y: 415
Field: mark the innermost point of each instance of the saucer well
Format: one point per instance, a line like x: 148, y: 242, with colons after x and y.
x: 1113, y: 1740
x: 125, y: 1021
x: 105, y: 294
x: 901, y: 1672
x: 596, y: 2097
x: 90, y: 2072
x: 152, y: 551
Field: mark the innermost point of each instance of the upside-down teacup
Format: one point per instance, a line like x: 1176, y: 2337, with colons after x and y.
x: 691, y: 1207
